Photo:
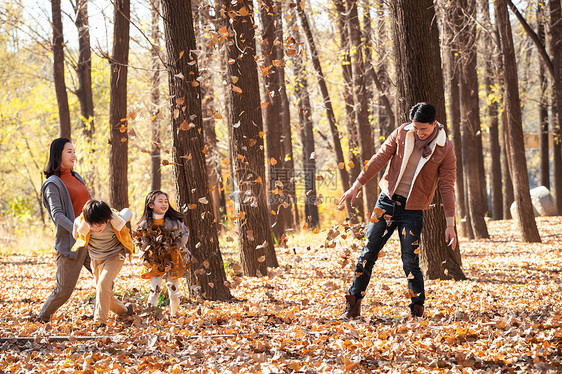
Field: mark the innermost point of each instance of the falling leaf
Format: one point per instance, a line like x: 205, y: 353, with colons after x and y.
x: 264, y: 104
x: 261, y: 134
x: 350, y: 164
x: 203, y: 200
x: 273, y: 161
x: 410, y: 276
x: 316, y: 230
x: 381, y: 254
x: 417, y: 251
x: 403, y: 232
x: 217, y: 115
x: 261, y: 259
x: 341, y: 165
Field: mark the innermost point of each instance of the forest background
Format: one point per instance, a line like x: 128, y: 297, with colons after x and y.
x: 255, y: 144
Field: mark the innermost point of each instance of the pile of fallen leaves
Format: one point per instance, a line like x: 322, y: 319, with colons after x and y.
x: 506, y: 317
x: 160, y: 252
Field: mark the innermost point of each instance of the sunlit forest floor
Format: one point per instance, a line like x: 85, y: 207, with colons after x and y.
x: 507, y: 317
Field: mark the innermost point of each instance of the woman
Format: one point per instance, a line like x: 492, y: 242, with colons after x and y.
x: 64, y: 195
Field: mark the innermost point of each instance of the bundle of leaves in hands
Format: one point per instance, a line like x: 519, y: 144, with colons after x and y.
x: 161, y: 254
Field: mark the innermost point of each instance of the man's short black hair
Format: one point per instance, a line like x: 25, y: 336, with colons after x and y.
x: 423, y: 113
x: 96, y: 212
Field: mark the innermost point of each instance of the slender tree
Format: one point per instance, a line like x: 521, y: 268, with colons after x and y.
x: 278, y: 181
x: 256, y: 240
x: 420, y: 78
x: 344, y: 176
x: 207, y: 277
x: 155, y: 96
x: 350, y: 119
x: 311, y: 216
x: 118, y: 119
x: 58, y: 70
x: 470, y: 119
x: 450, y: 19
x: 84, y: 67
x: 386, y: 115
x: 543, y: 102
x: 370, y: 194
x: 490, y: 57
x: 516, y: 146
x: 554, y: 67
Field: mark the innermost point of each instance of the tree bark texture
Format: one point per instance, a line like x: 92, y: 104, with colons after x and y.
x: 287, y: 139
x: 453, y: 70
x: 470, y: 120
x: 156, y: 171
x: 344, y: 176
x: 118, y: 119
x: 490, y: 59
x: 279, y: 200
x: 556, y: 47
x: 350, y: 124
x: 256, y: 240
x: 207, y: 277
x: 543, y: 102
x: 58, y: 71
x: 311, y: 216
x: 386, y: 115
x: 370, y: 190
x: 420, y: 78
x: 516, y: 146
x: 84, y: 68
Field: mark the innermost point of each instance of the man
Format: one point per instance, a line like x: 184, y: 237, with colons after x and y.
x: 419, y: 156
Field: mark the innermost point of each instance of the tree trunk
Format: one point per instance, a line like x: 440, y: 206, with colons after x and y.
x: 506, y: 176
x: 543, y: 103
x: 278, y: 176
x: 386, y: 116
x: 452, y: 64
x: 204, y: 12
x: 370, y: 194
x: 470, y: 119
x: 350, y: 124
x: 311, y: 216
x: 556, y: 47
x: 58, y: 71
x: 155, y: 97
x: 287, y: 139
x: 516, y: 146
x: 344, y: 176
x: 118, y: 119
x: 207, y: 277
x: 84, y: 68
x: 490, y: 59
x: 256, y: 240
x: 420, y: 78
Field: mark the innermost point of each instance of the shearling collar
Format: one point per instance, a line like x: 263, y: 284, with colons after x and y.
x: 439, y: 139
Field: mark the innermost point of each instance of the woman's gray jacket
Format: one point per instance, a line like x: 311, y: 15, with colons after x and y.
x: 59, y: 205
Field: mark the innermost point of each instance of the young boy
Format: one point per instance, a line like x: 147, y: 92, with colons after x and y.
x: 103, y: 232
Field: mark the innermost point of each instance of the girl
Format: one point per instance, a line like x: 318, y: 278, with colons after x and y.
x: 162, y: 236
x: 64, y: 194
x: 104, y: 233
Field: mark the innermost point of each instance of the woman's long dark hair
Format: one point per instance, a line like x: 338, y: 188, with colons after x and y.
x: 55, y: 156
x: 148, y: 212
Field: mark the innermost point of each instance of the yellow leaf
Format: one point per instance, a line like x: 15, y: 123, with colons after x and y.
x: 262, y: 134
x: 316, y: 230
x: 243, y: 12
x: 350, y: 164
x: 234, y: 79
x: 341, y: 165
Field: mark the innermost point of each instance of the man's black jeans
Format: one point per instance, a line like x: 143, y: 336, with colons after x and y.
x: 409, y: 223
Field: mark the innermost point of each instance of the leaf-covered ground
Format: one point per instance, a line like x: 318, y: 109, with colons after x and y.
x: 507, y: 317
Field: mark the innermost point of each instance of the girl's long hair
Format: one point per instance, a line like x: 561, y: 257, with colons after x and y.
x: 55, y: 156
x: 148, y: 212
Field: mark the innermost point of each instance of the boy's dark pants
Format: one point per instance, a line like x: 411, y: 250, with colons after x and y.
x: 409, y: 224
